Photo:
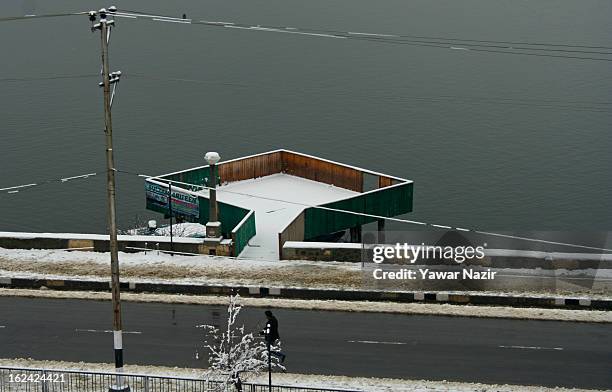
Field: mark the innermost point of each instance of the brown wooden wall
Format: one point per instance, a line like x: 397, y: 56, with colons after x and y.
x: 293, y: 232
x: 253, y: 167
x: 322, y: 171
x: 297, y: 165
x: 384, y: 181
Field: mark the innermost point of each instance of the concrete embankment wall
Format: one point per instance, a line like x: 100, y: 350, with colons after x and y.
x: 494, y: 258
x: 100, y: 243
x: 540, y: 301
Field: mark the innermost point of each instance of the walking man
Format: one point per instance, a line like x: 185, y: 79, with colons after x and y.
x: 271, y: 334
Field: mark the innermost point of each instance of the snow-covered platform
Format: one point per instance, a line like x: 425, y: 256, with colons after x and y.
x: 277, y: 200
x: 267, y: 199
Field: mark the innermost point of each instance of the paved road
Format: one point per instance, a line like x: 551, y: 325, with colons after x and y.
x: 355, y: 344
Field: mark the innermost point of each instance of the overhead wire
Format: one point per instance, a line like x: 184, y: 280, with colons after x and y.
x: 374, y: 216
x: 384, y: 35
x: 18, y: 188
x: 54, y: 15
x: 535, y: 103
x: 49, y: 77
x: 475, y: 45
x: 61, y: 180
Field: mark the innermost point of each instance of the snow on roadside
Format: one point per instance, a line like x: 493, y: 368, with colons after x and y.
x: 591, y: 316
x: 186, y: 229
x: 292, y: 379
x: 163, y: 268
x: 152, y: 257
x: 213, y: 270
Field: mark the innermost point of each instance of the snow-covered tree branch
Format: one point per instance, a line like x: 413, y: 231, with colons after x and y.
x: 233, y: 354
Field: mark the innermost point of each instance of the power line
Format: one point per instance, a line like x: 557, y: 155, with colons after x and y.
x: 487, y: 46
x: 50, y: 77
x: 413, y: 222
x: 450, y: 43
x: 382, y: 35
x: 17, y: 188
x: 26, y: 17
x: 473, y: 43
x: 479, y: 49
x: 574, y: 105
x: 485, y: 43
x: 61, y: 180
x: 547, y: 103
x: 508, y: 42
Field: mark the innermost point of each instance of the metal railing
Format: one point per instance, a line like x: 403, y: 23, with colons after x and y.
x: 15, y: 379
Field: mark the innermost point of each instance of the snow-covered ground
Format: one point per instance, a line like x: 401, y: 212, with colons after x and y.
x: 293, y: 379
x: 272, y: 216
x: 163, y: 268
x: 97, y: 237
x: 186, y: 229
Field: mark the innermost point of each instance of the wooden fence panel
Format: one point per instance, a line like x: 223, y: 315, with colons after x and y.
x: 322, y: 171
x: 252, y: 167
x: 293, y: 232
x: 384, y: 181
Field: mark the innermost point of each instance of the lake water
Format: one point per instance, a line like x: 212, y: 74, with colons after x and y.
x: 475, y: 131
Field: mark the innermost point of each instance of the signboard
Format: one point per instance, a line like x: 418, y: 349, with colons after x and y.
x: 182, y: 203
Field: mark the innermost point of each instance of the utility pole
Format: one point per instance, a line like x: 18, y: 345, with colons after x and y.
x: 109, y: 79
x: 171, y: 215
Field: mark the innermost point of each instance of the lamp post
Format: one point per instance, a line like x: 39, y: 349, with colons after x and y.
x: 213, y: 227
x: 266, y: 332
x: 269, y: 366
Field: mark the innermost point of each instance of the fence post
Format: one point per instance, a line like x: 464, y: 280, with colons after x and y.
x: 146, y: 384
x: 44, y: 385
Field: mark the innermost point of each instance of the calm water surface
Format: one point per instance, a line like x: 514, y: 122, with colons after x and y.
x: 471, y: 129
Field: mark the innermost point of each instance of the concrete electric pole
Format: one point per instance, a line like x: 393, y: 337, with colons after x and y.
x: 109, y: 79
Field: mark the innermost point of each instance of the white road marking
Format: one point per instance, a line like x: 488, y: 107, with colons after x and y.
x: 533, y: 348
x: 458, y: 48
x: 125, y: 16
x: 106, y: 331
x: 2, y: 326
x: 375, y: 342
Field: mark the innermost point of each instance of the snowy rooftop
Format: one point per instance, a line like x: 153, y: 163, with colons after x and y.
x: 271, y: 215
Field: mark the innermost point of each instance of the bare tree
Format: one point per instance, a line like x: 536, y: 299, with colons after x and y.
x: 233, y: 354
